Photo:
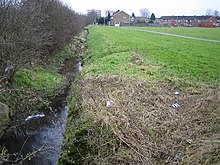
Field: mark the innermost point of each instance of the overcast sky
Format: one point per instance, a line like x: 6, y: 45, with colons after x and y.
x: 158, y: 7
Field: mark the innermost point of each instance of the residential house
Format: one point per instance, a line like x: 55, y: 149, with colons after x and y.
x: 196, y: 21
x: 120, y: 18
x: 139, y: 21
x: 218, y: 22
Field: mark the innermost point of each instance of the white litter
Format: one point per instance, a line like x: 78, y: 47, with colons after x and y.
x: 34, y: 116
x: 80, y: 66
x: 177, y: 93
x: 176, y: 157
x: 189, y: 141
x: 109, y: 103
x: 8, y: 68
x: 175, y: 106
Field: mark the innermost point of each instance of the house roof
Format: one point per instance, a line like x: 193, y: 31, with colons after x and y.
x: 117, y: 12
x: 185, y: 17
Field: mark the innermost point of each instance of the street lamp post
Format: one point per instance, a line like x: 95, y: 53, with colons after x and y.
x: 129, y: 17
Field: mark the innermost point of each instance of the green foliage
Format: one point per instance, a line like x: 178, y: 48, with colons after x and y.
x: 102, y: 20
x: 152, y: 17
x: 164, y: 57
x: 109, y: 16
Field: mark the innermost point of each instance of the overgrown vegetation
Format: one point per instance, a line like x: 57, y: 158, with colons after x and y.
x: 34, y: 87
x: 40, y: 89
x: 31, y: 31
x: 33, y: 41
x: 36, y: 43
x: 120, y: 110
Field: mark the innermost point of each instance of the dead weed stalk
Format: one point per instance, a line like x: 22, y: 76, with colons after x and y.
x: 150, y: 131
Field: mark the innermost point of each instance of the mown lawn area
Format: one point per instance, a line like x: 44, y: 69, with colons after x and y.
x: 120, y: 109
x: 123, y: 52
x: 208, y: 33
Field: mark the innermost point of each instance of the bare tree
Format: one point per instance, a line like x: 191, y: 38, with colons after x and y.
x: 209, y: 12
x: 216, y: 13
x: 145, y: 12
x: 91, y: 17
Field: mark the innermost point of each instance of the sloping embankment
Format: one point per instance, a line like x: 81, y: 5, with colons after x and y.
x: 119, y: 120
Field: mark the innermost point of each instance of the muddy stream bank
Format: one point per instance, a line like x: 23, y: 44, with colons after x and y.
x: 38, y: 140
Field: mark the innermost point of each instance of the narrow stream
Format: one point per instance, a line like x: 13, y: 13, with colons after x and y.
x: 38, y: 140
x: 41, y: 135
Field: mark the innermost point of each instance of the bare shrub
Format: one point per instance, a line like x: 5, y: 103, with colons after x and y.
x: 31, y: 30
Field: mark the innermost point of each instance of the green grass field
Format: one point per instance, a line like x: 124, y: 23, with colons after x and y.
x: 113, y: 51
x: 209, y: 33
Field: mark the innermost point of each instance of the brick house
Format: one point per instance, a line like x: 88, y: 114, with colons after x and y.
x: 196, y: 21
x: 120, y: 18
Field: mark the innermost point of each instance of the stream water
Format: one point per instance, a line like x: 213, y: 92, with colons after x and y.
x: 42, y: 136
x: 38, y: 140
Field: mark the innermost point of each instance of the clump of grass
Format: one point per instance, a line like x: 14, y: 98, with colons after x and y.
x: 38, y: 79
x: 139, y: 126
x: 31, y: 90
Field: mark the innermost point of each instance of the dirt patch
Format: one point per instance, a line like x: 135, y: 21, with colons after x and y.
x: 137, y: 59
x: 149, y: 129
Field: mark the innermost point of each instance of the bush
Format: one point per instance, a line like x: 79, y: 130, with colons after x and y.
x: 31, y: 30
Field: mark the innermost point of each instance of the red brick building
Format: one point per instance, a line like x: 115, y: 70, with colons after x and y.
x: 195, y: 21
x: 120, y: 17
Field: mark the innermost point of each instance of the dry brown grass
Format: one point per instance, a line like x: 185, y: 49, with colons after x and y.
x: 149, y: 130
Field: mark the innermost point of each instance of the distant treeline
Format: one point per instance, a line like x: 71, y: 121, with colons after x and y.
x: 31, y: 30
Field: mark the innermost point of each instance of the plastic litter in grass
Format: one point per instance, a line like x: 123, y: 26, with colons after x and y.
x: 175, y: 106
x: 173, y: 159
x: 177, y: 93
x: 189, y: 141
x: 34, y: 116
x: 8, y: 68
x: 80, y: 66
x: 109, y: 103
x: 176, y: 157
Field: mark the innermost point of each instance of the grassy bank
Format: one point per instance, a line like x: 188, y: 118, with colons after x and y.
x: 120, y: 110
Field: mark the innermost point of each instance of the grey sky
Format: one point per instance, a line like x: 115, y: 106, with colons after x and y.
x: 159, y: 7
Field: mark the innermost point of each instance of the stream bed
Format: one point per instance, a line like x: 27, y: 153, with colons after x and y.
x: 38, y: 140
